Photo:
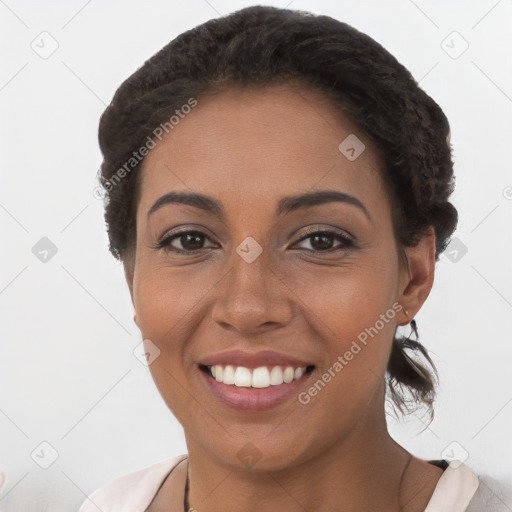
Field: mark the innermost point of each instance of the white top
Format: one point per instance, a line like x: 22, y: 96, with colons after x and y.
x: 456, y: 491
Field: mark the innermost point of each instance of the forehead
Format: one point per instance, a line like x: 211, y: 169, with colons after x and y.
x: 256, y: 146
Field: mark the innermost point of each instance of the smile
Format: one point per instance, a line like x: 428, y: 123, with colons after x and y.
x: 254, y: 390
x: 261, y: 377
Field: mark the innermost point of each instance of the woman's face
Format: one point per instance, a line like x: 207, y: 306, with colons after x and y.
x: 254, y: 277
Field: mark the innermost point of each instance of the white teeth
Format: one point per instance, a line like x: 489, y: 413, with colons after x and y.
x: 229, y: 375
x: 288, y: 374
x: 243, y: 377
x: 276, y: 376
x: 260, y: 377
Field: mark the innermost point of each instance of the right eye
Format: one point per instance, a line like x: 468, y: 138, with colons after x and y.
x: 190, y: 241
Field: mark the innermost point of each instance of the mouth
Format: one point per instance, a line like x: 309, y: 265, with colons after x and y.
x: 254, y: 389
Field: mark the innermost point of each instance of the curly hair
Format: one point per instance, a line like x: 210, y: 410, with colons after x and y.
x: 259, y: 46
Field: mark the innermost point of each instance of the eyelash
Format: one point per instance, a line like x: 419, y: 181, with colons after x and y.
x: 348, y: 243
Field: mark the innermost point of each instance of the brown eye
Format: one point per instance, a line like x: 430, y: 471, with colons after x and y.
x: 184, y: 242
x: 322, y: 241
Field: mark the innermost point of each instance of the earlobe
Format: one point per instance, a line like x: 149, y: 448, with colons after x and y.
x: 419, y: 276
x: 405, y: 314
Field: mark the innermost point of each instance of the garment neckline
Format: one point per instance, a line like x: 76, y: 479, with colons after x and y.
x: 455, y: 488
x: 453, y: 492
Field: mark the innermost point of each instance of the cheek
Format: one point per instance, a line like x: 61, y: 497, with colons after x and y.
x: 347, y: 300
x: 167, y: 302
x: 165, y: 298
x: 352, y: 312
x: 355, y: 324
x: 170, y: 304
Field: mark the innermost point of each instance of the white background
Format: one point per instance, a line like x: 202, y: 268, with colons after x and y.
x: 68, y: 376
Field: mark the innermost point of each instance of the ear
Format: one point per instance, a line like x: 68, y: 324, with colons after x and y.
x: 417, y: 275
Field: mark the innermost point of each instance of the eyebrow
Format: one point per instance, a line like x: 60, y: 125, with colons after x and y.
x: 285, y: 205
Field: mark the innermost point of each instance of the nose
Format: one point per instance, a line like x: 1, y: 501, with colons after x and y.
x: 252, y: 297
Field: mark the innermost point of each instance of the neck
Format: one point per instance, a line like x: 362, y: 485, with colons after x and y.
x: 362, y: 471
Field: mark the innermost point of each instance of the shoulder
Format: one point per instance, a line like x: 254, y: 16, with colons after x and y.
x: 132, y: 492
x: 460, y: 490
x: 491, y: 496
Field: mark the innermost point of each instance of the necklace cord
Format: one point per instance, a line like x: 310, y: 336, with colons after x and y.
x: 401, y: 507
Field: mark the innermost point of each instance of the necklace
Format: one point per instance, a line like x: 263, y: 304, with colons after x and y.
x: 399, y: 497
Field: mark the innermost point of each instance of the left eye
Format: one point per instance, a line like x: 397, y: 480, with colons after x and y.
x: 322, y: 241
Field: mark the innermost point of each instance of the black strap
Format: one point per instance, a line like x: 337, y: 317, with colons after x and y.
x: 443, y: 464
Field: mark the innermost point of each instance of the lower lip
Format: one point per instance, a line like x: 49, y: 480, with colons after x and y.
x: 253, y: 399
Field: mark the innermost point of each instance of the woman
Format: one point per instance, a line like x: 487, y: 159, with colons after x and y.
x: 277, y: 189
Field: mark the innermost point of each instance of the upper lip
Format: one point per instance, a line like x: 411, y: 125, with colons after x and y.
x: 253, y: 359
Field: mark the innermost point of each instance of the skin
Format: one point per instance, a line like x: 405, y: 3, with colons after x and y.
x: 248, y: 149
